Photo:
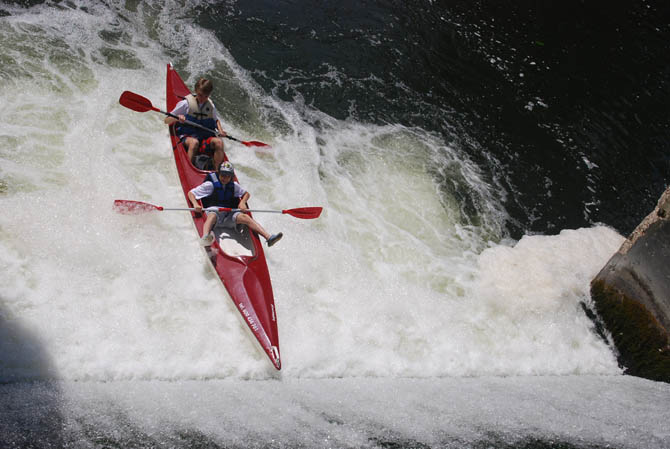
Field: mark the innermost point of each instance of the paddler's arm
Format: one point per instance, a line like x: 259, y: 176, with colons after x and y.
x: 180, y: 110
x: 196, y: 204
x: 201, y: 191
x: 219, y: 128
x: 171, y: 120
x: 243, y: 202
x: 222, y: 133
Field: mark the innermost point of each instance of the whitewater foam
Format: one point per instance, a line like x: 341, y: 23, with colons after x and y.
x: 406, y: 315
x: 396, y: 278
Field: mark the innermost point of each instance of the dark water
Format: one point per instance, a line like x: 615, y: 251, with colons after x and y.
x: 565, y: 105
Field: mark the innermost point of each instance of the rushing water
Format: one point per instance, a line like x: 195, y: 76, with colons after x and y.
x: 438, y: 302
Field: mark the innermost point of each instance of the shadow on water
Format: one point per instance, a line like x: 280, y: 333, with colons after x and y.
x: 36, y: 409
x: 30, y: 398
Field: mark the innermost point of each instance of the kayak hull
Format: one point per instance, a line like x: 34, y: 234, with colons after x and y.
x: 243, y: 271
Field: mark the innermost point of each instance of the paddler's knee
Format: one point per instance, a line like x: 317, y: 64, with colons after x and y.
x: 243, y: 218
x: 211, y: 216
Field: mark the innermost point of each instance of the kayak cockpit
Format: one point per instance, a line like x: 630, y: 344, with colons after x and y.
x: 235, y: 242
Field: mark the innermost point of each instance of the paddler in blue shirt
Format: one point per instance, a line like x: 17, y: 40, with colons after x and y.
x: 199, y: 109
x: 219, y: 190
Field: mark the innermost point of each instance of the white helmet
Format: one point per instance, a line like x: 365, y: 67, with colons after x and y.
x: 226, y: 168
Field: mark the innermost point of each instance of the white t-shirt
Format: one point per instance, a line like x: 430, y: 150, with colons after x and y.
x: 182, y: 109
x: 207, y: 188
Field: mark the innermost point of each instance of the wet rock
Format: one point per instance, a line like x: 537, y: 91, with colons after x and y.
x: 631, y: 295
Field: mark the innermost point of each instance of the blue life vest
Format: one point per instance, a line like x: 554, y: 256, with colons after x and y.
x: 222, y: 196
x: 202, y: 116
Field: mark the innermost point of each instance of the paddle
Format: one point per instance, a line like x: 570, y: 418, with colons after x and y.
x: 139, y: 103
x: 129, y: 207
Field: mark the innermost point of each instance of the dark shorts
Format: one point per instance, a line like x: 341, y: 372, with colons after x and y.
x: 225, y: 219
x: 206, y: 146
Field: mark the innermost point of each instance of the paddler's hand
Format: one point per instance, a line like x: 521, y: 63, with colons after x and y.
x: 243, y: 207
x: 198, y: 209
x: 182, y: 118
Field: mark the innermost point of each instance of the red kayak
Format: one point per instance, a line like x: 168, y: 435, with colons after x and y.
x: 237, y: 257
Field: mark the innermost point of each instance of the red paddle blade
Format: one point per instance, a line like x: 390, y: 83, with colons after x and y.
x: 304, y: 212
x: 128, y: 207
x: 254, y: 143
x: 136, y: 102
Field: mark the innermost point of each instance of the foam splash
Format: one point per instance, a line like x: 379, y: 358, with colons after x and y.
x: 394, y: 279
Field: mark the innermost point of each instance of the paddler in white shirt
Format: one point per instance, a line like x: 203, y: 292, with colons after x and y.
x: 199, y: 109
x: 220, y: 190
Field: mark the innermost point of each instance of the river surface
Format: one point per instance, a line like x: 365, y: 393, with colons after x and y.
x: 477, y: 164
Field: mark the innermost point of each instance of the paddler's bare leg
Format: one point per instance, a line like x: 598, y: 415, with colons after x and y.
x: 253, y: 225
x: 191, y: 144
x: 217, y: 156
x: 209, y: 223
x: 256, y: 227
